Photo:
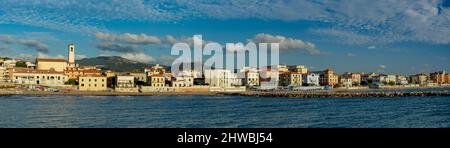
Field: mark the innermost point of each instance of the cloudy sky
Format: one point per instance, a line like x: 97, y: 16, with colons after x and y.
x: 392, y: 36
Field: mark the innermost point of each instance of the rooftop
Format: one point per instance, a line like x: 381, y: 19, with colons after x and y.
x: 50, y: 60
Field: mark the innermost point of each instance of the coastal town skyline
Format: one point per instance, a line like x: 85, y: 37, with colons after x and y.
x: 313, y: 36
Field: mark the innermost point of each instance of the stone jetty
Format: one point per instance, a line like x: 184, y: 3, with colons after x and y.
x: 341, y: 94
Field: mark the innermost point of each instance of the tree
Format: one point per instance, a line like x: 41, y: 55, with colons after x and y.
x: 21, y: 64
x: 72, y: 82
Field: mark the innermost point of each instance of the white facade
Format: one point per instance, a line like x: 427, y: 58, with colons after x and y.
x: 222, y: 78
x: 346, y: 82
x: 311, y: 79
x: 38, y: 77
x: 269, y: 79
x: 71, y: 56
x: 183, y: 82
x: 125, y: 82
x: 391, y: 79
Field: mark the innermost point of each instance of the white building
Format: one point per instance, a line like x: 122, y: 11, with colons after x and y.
x: 125, y: 82
x: 222, y: 78
x: 391, y: 79
x: 402, y: 80
x: 183, y: 82
x: 346, y: 82
x: 311, y: 79
x: 26, y: 76
x: 269, y: 78
x: 251, y: 77
x: 189, y: 73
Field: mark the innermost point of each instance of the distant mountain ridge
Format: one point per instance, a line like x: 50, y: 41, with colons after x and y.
x: 114, y: 63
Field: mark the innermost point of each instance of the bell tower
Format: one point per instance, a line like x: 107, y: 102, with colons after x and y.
x: 71, y: 60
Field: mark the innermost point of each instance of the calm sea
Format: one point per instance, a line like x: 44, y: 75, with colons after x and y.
x: 224, y: 111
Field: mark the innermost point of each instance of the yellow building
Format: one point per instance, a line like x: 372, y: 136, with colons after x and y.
x: 291, y: 79
x: 92, y: 83
x: 51, y: 64
x: 59, y: 65
x: 447, y: 78
x: 157, y: 80
x: 328, y: 78
x: 76, y: 72
x: 155, y: 70
x: 299, y: 68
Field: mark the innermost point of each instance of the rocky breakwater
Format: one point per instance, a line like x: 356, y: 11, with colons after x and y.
x: 341, y: 94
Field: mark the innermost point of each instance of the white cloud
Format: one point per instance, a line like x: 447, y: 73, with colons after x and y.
x: 140, y: 57
x: 166, y: 60
x: 385, y: 20
x: 287, y: 44
x: 29, y: 43
x: 130, y: 38
x: 372, y: 47
x: 382, y: 67
x: 43, y: 55
x: 114, y: 47
x: 351, y: 55
x: 80, y: 56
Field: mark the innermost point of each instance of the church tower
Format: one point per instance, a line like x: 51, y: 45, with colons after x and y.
x: 71, y: 60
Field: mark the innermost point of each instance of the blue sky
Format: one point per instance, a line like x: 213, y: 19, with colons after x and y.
x: 392, y: 36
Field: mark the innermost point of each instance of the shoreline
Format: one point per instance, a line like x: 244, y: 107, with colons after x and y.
x: 337, y: 93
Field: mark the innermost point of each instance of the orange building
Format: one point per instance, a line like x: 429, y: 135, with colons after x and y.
x: 75, y: 73
x: 438, y: 77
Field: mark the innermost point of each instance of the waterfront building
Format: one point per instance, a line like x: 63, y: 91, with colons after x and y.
x: 390, y: 79
x: 124, y: 81
x: 155, y: 70
x: 221, y: 78
x: 28, y: 76
x: 367, y: 79
x: 421, y: 79
x: 299, y: 69
x: 157, y: 80
x: 251, y: 77
x: 402, y: 80
x: 110, y: 78
x: 447, y: 78
x: 4, y: 74
x: 75, y: 72
x: 355, y: 77
x: 311, y: 79
x: 182, y: 82
x: 438, y: 77
x: 283, y: 68
x: 328, y: 78
x: 269, y: 78
x: 189, y: 73
x: 345, y: 82
x: 139, y: 78
x: 290, y: 79
x: 92, y: 83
